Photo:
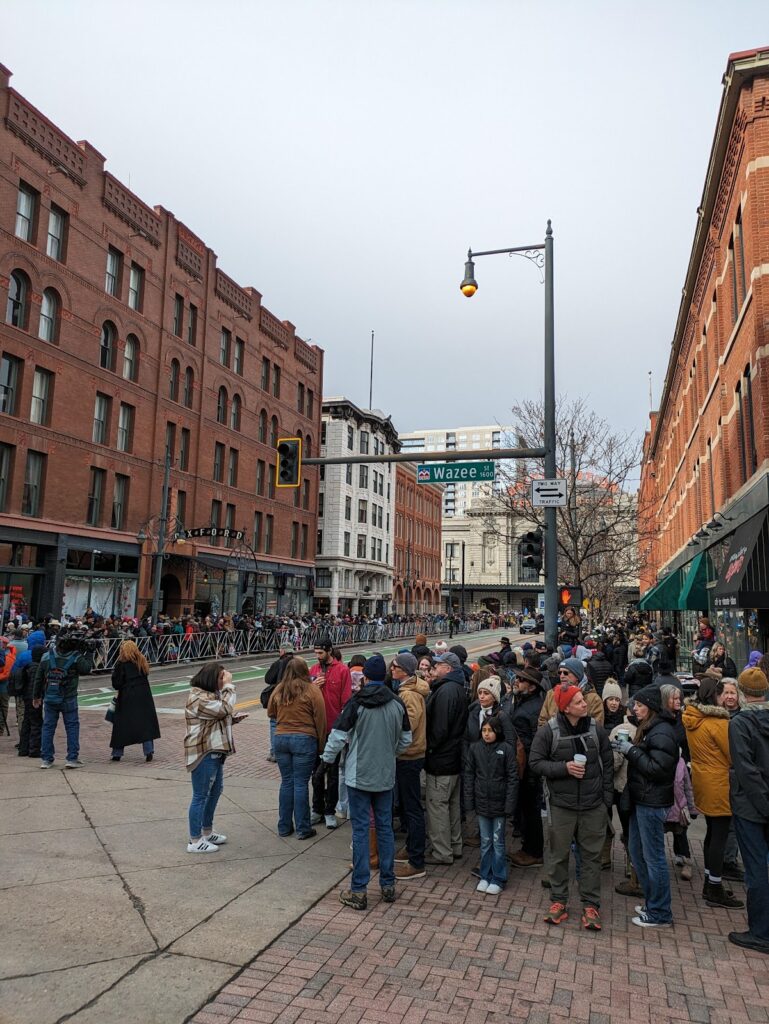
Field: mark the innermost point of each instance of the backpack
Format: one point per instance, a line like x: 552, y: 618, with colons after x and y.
x: 555, y: 731
x: 56, y: 677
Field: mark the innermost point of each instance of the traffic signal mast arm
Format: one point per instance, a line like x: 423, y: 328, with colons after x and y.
x: 450, y: 456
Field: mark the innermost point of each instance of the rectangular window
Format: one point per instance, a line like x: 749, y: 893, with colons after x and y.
x: 171, y: 440
x: 373, y: 549
x: 350, y: 438
x: 379, y: 550
x: 26, y: 210
x: 42, y: 386
x: 323, y: 434
x: 310, y: 403
x: 10, y: 380
x: 184, y: 450
x: 257, y: 530
x: 362, y: 511
x: 95, y: 496
x: 265, y: 381
x: 361, y: 545
x: 229, y: 524
x: 306, y: 495
x: 260, y: 471
x: 348, y: 508
x: 119, y: 502
x: 300, y: 400
x: 348, y: 474
x: 364, y: 442
x: 192, y: 325
x: 7, y: 453
x: 346, y: 548
x: 178, y: 315
x: 232, y: 469
x: 276, y: 381
x: 363, y: 476
x: 125, y: 427
x: 100, y: 419
x: 225, y: 342
x: 57, y: 229
x: 294, y: 539
x: 218, y: 462
x: 135, y: 287
x: 303, y: 543
x: 739, y: 252
x: 216, y: 518
x: 34, y: 481
x: 240, y: 351
x: 181, y: 507
x: 114, y: 265
x: 319, y: 543
x: 268, y: 531
x: 270, y: 483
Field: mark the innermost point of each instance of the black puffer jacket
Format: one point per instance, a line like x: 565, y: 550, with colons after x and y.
x: 599, y: 669
x: 491, y: 779
x: 597, y: 784
x: 446, y: 722
x: 749, y: 747
x: 651, y: 764
x: 637, y: 675
x: 473, y: 727
x: 526, y: 708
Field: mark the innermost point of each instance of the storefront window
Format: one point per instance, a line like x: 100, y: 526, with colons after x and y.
x: 730, y: 627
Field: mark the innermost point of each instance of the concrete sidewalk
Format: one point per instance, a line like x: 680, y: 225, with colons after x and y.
x: 106, y: 917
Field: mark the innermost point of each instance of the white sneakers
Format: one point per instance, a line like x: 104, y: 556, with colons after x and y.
x: 315, y: 818
x: 46, y: 764
x: 202, y: 846
x: 216, y: 838
x: 73, y: 764
x: 331, y: 821
x: 482, y: 886
x: 490, y: 888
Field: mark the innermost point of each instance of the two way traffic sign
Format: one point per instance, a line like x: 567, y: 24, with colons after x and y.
x: 549, y: 493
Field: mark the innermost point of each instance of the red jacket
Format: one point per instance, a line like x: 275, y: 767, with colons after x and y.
x: 10, y: 658
x: 337, y: 688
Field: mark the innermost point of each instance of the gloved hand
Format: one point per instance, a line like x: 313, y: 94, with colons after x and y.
x: 621, y: 744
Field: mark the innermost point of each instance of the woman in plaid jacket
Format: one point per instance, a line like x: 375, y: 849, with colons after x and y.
x: 210, y: 715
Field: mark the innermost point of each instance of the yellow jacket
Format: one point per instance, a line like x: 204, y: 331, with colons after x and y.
x: 707, y: 732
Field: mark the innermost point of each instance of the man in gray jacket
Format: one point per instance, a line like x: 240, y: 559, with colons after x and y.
x: 571, y: 753
x: 375, y: 726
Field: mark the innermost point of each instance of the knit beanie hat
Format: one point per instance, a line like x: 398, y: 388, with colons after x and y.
x: 611, y: 688
x: 493, y: 685
x: 460, y: 651
x: 440, y: 647
x: 575, y: 666
x: 420, y: 639
x: 753, y: 682
x: 564, y: 695
x: 406, y: 661
x: 375, y: 669
x: 650, y: 696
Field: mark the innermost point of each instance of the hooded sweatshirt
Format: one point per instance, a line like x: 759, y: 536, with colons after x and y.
x: 749, y: 774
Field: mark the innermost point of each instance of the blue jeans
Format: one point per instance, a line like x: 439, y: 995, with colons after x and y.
x: 362, y: 803
x: 753, y: 840
x: 207, y: 786
x: 68, y: 711
x: 273, y: 727
x: 493, y: 858
x: 295, y: 753
x: 647, y: 852
x: 412, y: 813
x: 148, y: 747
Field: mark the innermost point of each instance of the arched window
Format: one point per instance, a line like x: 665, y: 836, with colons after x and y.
x: 17, y: 310
x: 173, y: 383
x: 263, y: 427
x: 189, y: 383
x: 107, y: 346
x: 48, y: 328
x: 307, y: 453
x: 274, y: 432
x: 221, y: 406
x: 131, y: 358
x: 235, y: 413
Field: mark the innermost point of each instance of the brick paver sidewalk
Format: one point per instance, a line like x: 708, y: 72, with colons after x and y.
x: 446, y: 954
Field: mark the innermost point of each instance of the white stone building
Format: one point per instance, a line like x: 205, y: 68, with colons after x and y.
x: 356, y: 513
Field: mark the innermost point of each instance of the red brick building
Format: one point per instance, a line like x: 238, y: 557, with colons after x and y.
x: 705, y: 474
x: 121, y: 338
x: 417, y: 572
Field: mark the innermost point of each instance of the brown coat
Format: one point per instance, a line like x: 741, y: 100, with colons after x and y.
x: 413, y: 692
x: 594, y: 705
x: 707, y: 732
x: 306, y: 714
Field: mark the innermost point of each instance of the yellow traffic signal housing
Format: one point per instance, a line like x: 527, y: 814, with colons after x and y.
x: 288, y: 464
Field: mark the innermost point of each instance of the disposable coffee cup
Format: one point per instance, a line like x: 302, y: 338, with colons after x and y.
x: 623, y: 734
x: 580, y: 759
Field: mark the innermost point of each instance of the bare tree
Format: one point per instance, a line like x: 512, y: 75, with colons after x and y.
x: 601, y: 533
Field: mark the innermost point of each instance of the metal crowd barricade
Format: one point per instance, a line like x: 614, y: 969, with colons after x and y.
x: 222, y: 644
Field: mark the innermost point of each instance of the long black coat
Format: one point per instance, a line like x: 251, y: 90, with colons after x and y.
x: 491, y: 779
x: 135, y: 717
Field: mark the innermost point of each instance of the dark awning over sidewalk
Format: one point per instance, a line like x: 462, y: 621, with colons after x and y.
x: 663, y: 596
x: 744, y: 578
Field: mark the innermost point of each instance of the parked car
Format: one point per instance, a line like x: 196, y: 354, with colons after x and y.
x: 529, y: 625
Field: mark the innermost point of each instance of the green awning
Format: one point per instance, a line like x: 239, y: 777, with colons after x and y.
x: 663, y: 596
x: 694, y: 595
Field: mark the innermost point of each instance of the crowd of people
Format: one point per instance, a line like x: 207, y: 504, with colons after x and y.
x: 565, y: 749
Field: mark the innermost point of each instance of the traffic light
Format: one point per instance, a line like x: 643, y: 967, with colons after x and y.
x: 569, y: 596
x: 531, y: 549
x: 288, y: 468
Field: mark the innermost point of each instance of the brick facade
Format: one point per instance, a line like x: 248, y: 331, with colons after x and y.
x: 418, y: 512
x: 184, y: 347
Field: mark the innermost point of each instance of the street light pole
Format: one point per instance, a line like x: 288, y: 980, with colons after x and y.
x: 161, y: 538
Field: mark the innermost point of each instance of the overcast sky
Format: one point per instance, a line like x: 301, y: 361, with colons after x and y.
x: 341, y: 157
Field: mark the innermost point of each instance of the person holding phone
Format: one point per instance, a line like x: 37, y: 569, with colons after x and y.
x: 209, y: 714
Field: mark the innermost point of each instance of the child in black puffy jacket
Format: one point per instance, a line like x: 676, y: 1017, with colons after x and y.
x: 491, y: 788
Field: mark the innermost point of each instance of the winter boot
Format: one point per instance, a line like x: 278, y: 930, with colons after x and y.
x: 686, y: 869
x: 631, y: 886
x: 717, y: 896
